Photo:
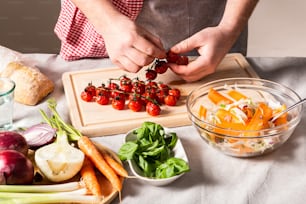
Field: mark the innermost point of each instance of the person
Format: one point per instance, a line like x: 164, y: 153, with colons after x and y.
x: 132, y: 33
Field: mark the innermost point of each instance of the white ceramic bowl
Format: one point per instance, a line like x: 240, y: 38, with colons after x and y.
x: 179, y: 152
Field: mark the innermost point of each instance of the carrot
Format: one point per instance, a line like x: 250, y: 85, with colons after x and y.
x: 90, y: 150
x: 89, y: 177
x: 260, y: 119
x: 117, y: 167
x: 236, y: 95
x: 202, y: 112
x: 217, y: 97
x: 228, y: 120
x: 243, y: 149
x: 228, y: 124
x: 283, y: 118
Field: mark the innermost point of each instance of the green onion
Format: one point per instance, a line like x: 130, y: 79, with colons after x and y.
x: 64, y: 187
x: 72, y: 192
x: 40, y: 198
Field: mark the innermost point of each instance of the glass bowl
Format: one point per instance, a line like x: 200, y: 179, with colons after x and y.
x: 240, y: 142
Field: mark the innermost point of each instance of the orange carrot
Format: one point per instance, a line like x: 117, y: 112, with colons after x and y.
x: 283, y: 118
x: 217, y: 97
x: 260, y: 119
x: 202, y: 112
x: 236, y: 95
x: 228, y: 124
x: 116, y: 166
x: 90, y: 150
x: 89, y: 177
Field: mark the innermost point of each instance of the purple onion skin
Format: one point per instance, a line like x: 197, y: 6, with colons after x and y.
x: 15, y: 168
x: 14, y: 141
x: 39, y: 135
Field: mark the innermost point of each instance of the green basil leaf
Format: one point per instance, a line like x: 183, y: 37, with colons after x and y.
x: 154, y: 152
x: 171, y: 140
x: 165, y: 154
x: 172, y: 167
x: 127, y: 150
x: 147, y: 167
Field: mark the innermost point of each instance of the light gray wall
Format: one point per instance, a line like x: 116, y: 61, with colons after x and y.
x: 277, y: 27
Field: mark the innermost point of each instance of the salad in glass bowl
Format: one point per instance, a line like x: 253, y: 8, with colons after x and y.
x: 235, y: 115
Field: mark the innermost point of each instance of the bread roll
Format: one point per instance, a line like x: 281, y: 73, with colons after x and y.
x: 31, y: 85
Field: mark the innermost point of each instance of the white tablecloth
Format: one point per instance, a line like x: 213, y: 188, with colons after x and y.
x: 279, y: 177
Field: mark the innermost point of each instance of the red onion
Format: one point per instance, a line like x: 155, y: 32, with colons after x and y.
x: 13, y: 140
x: 15, y: 168
x: 39, y: 135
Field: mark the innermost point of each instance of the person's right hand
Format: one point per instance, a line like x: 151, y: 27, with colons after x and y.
x: 129, y: 46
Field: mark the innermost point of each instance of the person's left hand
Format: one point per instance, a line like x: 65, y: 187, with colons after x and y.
x: 212, y: 44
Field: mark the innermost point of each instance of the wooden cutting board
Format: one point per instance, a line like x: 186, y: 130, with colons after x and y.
x: 93, y: 119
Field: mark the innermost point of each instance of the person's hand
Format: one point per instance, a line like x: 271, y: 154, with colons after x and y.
x: 131, y: 47
x: 212, y: 44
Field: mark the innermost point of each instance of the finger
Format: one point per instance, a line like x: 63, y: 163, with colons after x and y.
x: 187, y: 45
x: 150, y: 46
x: 194, y: 71
x: 139, y: 58
x: 126, y: 64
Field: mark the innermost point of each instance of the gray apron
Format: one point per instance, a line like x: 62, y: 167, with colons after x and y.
x: 175, y: 20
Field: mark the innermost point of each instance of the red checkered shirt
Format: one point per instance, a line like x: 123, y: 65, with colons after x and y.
x: 79, y: 38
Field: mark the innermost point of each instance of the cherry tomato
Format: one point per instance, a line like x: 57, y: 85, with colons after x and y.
x: 182, y: 60
x: 170, y: 100
x: 86, y: 96
x: 113, y: 87
x: 102, y: 100
x: 118, y: 103
x: 153, y: 109
x: 176, y: 58
x: 175, y: 92
x: 91, y: 89
x: 160, y: 96
x: 135, y: 105
x: 164, y: 87
x: 151, y: 74
x: 103, y: 97
x: 172, y: 57
x: 161, y: 67
x: 125, y: 84
x: 148, y: 96
x: 151, y: 85
x: 138, y: 87
x: 103, y: 89
x: 118, y: 95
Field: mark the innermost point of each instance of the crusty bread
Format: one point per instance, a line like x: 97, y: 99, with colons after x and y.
x: 31, y: 85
